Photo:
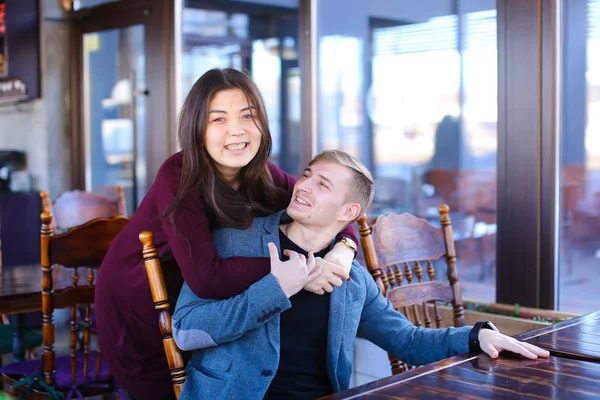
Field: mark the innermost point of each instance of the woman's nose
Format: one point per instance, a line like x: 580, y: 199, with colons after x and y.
x: 236, y: 129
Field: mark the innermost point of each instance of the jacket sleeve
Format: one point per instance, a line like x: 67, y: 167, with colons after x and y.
x: 190, y: 240
x: 286, y: 181
x: 391, y: 331
x: 200, y: 323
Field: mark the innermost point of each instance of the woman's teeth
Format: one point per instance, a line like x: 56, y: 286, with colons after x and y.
x: 237, y: 146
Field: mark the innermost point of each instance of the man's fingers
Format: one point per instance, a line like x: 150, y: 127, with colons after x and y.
x: 536, y: 350
x: 291, y: 254
x: 310, y: 261
x: 273, y: 252
x: 523, y: 348
x: 519, y: 349
x: 488, y: 348
x: 327, y: 287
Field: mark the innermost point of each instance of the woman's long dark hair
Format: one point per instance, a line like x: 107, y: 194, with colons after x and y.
x: 257, y: 195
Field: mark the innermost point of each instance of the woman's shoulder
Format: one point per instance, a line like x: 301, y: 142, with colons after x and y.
x: 277, y: 173
x: 170, y: 170
x: 172, y: 164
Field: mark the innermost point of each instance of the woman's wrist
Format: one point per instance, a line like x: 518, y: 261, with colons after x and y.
x: 349, y: 243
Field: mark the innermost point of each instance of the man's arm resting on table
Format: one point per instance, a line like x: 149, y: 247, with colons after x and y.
x: 390, y: 330
x: 200, y: 323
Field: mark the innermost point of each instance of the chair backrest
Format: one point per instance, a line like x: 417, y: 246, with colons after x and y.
x: 81, y: 247
x: 163, y: 307
x: 76, y: 207
x: 399, y: 252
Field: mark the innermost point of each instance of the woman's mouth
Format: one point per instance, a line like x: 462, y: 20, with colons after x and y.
x: 236, y: 146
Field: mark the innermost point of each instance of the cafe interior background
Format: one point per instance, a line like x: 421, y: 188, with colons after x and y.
x: 489, y: 106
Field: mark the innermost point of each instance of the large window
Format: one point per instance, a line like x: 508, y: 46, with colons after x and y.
x: 411, y: 90
x: 579, y: 272
x: 259, y: 37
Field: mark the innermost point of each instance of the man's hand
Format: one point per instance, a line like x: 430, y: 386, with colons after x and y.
x: 492, y: 343
x: 332, y: 275
x: 341, y: 255
x: 293, y: 274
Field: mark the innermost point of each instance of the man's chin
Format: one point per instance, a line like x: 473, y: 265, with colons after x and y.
x: 291, y: 212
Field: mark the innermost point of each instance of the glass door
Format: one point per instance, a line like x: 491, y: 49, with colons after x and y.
x: 124, y: 109
x: 114, y: 86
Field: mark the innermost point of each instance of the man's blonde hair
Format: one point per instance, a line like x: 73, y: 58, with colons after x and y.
x: 362, y: 187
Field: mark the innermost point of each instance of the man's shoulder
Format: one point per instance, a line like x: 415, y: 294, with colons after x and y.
x: 360, y: 273
x: 259, y: 224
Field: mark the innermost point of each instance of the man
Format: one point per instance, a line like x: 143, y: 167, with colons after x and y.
x: 277, y: 342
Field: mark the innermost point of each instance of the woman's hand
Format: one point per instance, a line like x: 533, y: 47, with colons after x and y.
x: 342, y: 256
x: 330, y: 276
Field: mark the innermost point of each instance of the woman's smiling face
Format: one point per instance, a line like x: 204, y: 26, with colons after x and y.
x: 232, y: 136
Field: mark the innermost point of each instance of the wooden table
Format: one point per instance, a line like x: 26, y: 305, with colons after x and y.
x: 577, y: 338
x: 20, y: 292
x: 21, y: 287
x: 565, y: 375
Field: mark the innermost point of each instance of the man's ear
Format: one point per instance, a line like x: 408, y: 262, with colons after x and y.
x: 351, y: 212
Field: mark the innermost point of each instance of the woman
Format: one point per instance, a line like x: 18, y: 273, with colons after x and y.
x: 221, y: 177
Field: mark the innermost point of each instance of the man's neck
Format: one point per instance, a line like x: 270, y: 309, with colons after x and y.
x: 311, y: 240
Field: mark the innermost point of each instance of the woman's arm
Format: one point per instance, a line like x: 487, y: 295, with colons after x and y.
x: 191, y: 243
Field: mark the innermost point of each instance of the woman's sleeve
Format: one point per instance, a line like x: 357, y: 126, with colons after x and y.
x: 286, y: 181
x: 191, y: 243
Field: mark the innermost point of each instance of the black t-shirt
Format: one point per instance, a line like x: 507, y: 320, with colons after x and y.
x: 302, y: 372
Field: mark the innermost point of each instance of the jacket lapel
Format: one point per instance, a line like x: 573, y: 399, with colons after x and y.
x: 270, y: 232
x: 337, y: 315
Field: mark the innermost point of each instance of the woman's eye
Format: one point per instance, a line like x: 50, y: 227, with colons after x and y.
x: 323, y: 184
x: 220, y: 119
x: 249, y: 116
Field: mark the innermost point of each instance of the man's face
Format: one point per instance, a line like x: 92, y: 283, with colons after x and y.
x: 320, y: 195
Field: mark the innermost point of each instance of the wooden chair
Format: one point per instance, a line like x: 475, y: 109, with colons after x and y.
x: 399, y: 249
x: 76, y: 207
x: 79, y: 372
x: 163, y: 307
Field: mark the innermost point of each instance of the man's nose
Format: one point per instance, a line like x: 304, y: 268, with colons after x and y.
x: 304, y: 185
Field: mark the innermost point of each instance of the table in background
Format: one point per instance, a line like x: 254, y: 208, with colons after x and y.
x: 21, y: 292
x: 565, y: 375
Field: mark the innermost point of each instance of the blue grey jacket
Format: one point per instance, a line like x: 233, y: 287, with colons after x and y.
x: 235, y: 341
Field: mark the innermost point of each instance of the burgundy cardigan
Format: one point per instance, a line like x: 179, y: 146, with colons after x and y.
x: 127, y: 323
